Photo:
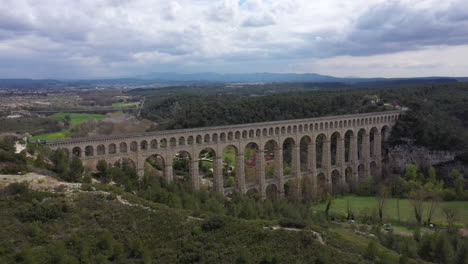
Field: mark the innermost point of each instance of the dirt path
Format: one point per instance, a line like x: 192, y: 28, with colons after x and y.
x: 39, y: 182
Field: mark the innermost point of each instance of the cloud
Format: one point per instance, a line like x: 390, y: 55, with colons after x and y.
x: 124, y: 38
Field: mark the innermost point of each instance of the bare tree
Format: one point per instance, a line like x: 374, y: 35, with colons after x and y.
x: 451, y: 215
x: 417, y: 201
x: 433, y: 202
x: 382, y: 197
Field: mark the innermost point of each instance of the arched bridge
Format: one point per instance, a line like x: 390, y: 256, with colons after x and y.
x: 327, y: 154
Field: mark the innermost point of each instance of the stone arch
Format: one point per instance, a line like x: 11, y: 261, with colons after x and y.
x: 230, y: 172
x: 334, y: 140
x: 308, y: 189
x: 238, y: 135
x: 316, y: 126
x: 230, y: 136
x: 172, y: 142
x: 348, y: 137
x: 154, y: 144
x: 305, y: 156
x: 372, y: 144
x: 271, y: 131
x: 112, y: 148
x: 322, y: 185
x: 253, y: 193
x: 272, y: 192
x: 374, y: 170
x: 277, y: 131
x: 361, y: 171
x: 283, y: 130
x: 291, y: 189
x: 101, y: 150
x: 289, y: 129
x: 163, y: 143
x: 244, y: 134
x: 251, y: 162
x: 123, y: 147
x: 181, y: 166
x: 294, y: 129
x: 385, y: 132
x: 181, y: 141
x: 288, y: 152
x: 190, y: 140
x: 271, y: 147
x: 320, y: 141
x: 206, y: 139
x: 214, y: 137
x: 76, y: 151
x: 222, y: 137
x: 336, y: 182
x: 206, y: 167
x: 251, y: 133
x: 144, y: 145
x: 199, y: 139
x: 349, y: 179
x: 155, y: 165
x: 134, y: 146
x: 89, y: 151
x: 258, y: 133
x: 122, y: 162
x: 361, y: 134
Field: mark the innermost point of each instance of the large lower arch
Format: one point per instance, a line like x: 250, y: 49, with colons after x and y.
x: 272, y: 192
x: 322, y: 185
x: 155, y: 166
x: 350, y: 185
x: 348, y: 137
x: 251, y: 162
x: 206, y: 167
x: 288, y: 156
x: 334, y: 148
x: 308, y: 189
x: 305, y: 153
x: 320, y: 142
x: 271, y: 151
x: 230, y: 174
x: 336, y: 182
x: 372, y: 142
x: 181, y: 166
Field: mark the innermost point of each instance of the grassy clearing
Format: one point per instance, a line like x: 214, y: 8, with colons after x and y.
x: 125, y: 105
x: 361, y: 204
x: 51, y: 136
x: 76, y: 118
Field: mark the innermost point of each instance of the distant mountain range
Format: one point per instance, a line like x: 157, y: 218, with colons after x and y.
x: 172, y: 78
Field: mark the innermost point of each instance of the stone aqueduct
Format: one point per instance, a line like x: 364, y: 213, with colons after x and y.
x: 345, y: 165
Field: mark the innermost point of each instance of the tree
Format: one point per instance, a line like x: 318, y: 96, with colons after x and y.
x: 433, y: 198
x: 411, y: 172
x: 381, y: 199
x: 60, y: 159
x: 330, y: 200
x: 451, y: 215
x: 417, y: 201
x: 102, y: 171
x: 76, y: 169
x: 432, y: 176
x: 459, y: 183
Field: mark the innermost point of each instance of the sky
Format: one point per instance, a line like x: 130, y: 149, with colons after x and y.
x: 123, y: 38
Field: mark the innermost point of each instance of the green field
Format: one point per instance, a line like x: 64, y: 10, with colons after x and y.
x: 51, y: 136
x: 125, y: 105
x: 77, y: 118
x: 360, y: 204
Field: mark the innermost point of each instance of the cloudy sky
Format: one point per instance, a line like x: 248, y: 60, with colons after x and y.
x: 114, y: 38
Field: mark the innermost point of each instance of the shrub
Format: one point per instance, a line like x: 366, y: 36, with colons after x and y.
x: 43, y: 212
x: 212, y: 223
x: 291, y: 222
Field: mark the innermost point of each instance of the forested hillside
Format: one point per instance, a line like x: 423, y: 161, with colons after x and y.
x: 437, y: 116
